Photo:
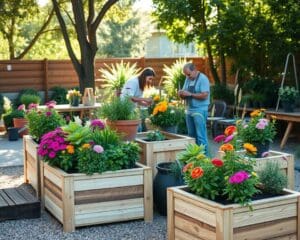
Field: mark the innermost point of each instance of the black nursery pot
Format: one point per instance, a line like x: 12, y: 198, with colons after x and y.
x: 164, y: 178
x: 13, y: 134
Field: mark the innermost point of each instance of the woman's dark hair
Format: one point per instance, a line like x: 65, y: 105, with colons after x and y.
x: 147, y: 72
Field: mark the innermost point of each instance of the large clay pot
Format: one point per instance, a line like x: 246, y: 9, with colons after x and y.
x: 127, y: 128
x: 164, y: 178
x: 21, y: 123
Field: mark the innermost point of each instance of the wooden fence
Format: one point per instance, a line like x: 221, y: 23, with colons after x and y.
x: 42, y: 75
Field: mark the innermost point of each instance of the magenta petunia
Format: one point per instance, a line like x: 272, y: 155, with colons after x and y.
x: 97, y: 123
x: 238, y: 177
x: 228, y: 138
x: 219, y: 138
x: 52, y: 154
x: 48, y: 114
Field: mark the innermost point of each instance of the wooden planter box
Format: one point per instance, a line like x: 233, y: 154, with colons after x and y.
x: 79, y: 200
x: 284, y: 160
x: 161, y: 151
x: 191, y: 217
x: 32, y: 164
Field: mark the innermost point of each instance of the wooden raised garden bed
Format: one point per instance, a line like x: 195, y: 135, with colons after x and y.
x: 79, y: 200
x: 161, y: 151
x: 32, y: 164
x: 191, y: 217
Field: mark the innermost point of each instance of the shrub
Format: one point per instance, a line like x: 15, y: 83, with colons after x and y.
x: 27, y: 99
x: 59, y: 95
x: 272, y: 179
x: 155, y: 135
x: 30, y: 91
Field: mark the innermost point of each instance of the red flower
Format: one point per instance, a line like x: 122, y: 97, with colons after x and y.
x: 197, y: 172
x: 230, y: 130
x: 219, y: 138
x: 187, y: 167
x: 217, y: 162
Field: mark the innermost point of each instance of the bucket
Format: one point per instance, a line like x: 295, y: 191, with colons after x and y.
x: 13, y: 134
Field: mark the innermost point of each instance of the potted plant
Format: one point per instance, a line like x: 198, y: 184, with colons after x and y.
x: 258, y: 131
x: 39, y: 123
x: 223, y: 200
x: 121, y: 115
x: 73, y: 96
x: 288, y: 96
x: 165, y: 115
x: 91, y: 176
x: 19, y: 120
x: 115, y: 76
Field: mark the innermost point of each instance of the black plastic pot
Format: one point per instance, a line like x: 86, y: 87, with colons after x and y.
x: 164, y: 178
x: 13, y: 134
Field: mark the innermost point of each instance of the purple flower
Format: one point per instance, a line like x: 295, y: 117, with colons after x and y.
x: 52, y: 154
x: 219, y: 138
x: 98, y: 149
x: 262, y: 123
x: 50, y: 104
x: 97, y: 123
x: 32, y: 106
x: 48, y: 114
x: 265, y: 154
x: 238, y: 177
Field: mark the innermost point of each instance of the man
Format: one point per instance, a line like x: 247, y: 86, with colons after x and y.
x: 196, y: 93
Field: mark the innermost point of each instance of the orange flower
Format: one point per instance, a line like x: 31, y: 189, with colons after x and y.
x: 163, y: 106
x: 250, y: 148
x: 230, y: 130
x: 255, y: 113
x: 155, y: 110
x: 86, y: 146
x: 187, y: 167
x: 156, y: 98
x: 197, y: 172
x: 227, y: 147
x: 70, y: 149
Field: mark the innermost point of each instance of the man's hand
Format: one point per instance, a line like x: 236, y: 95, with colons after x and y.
x: 183, y: 93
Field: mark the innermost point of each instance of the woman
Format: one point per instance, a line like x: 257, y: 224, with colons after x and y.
x: 135, y: 87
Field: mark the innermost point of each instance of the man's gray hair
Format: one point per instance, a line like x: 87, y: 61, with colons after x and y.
x: 190, y: 66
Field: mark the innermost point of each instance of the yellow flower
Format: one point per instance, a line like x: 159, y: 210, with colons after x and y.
x: 273, y: 117
x: 254, y: 174
x: 86, y: 146
x: 250, y: 148
x: 70, y: 149
x: 255, y: 113
x: 201, y: 156
x: 156, y: 98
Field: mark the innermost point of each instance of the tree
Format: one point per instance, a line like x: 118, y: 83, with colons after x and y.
x: 126, y: 28
x: 14, y: 17
x: 85, y: 23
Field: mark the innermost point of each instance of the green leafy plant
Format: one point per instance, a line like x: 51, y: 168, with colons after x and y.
x: 27, y: 99
x: 272, y: 179
x: 42, y: 121
x: 8, y: 117
x: 116, y: 75
x: 258, y: 130
x: 1, y: 105
x: 289, y: 94
x: 174, y: 78
x: 155, y: 135
x: 118, y: 109
x: 30, y: 91
x: 222, y: 92
x: 59, y: 95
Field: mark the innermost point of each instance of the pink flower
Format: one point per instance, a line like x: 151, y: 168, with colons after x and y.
x: 262, y: 123
x: 52, y: 154
x: 50, y: 104
x: 98, y: 149
x: 48, y: 114
x: 32, y: 106
x: 21, y: 107
x: 219, y: 138
x: 238, y: 177
x: 229, y: 138
x: 97, y: 123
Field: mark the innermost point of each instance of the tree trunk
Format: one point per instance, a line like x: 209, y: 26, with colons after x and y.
x: 223, y: 68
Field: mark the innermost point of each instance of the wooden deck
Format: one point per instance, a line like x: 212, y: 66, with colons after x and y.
x: 17, y: 203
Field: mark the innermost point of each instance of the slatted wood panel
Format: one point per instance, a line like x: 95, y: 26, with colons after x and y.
x: 192, y: 217
x: 44, y: 74
x: 17, y: 203
x: 161, y: 151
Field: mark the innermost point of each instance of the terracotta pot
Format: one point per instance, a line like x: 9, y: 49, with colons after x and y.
x: 21, y: 123
x: 127, y: 128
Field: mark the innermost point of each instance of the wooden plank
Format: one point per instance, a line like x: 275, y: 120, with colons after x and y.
x: 3, y: 203
x: 68, y: 204
x: 298, y: 218
x: 54, y: 189
x: 109, y: 194
x: 196, y: 212
x: 264, y: 215
x: 181, y: 235
x: 148, y: 195
x: 109, y: 206
x: 108, y: 182
x: 56, y: 211
x: 15, y: 196
x: 194, y: 227
x: 55, y: 179
x: 6, y: 198
x: 273, y: 229
x: 109, y: 216
x: 26, y: 195
x: 53, y: 198
x: 170, y: 215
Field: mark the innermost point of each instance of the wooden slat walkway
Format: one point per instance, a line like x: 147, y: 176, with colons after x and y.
x: 17, y: 203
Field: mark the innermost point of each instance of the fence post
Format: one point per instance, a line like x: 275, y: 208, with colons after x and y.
x: 46, y: 79
x: 142, y: 62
